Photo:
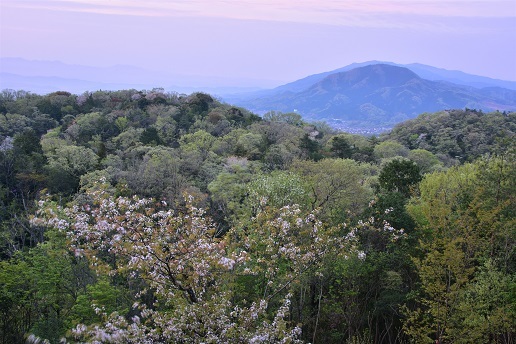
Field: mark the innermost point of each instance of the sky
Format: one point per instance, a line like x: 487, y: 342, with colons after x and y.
x: 269, y: 42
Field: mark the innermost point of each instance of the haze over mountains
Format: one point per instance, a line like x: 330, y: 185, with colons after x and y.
x: 382, y: 94
x: 360, y: 95
x: 423, y: 71
x: 49, y: 76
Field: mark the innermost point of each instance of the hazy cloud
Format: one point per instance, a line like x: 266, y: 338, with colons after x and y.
x: 264, y: 38
x: 355, y: 13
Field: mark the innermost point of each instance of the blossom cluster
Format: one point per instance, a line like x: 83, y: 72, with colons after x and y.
x: 180, y: 260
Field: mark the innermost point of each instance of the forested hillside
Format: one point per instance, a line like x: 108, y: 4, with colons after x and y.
x: 152, y: 217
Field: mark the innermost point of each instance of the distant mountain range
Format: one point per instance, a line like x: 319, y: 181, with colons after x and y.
x: 382, y: 94
x: 367, y: 94
x: 423, y: 71
x: 49, y: 76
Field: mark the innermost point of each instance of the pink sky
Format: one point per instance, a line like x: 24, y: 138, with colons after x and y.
x: 271, y: 41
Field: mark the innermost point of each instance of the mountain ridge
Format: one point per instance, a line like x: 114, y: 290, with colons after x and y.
x: 40, y: 76
x: 424, y: 71
x: 381, y: 94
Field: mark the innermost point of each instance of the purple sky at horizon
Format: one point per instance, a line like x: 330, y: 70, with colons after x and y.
x: 270, y: 41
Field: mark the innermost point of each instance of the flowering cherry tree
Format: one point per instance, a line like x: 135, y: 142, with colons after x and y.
x: 180, y: 260
x: 192, y: 275
x: 282, y: 244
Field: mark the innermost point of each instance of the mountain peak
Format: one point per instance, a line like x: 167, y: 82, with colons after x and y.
x: 368, y: 77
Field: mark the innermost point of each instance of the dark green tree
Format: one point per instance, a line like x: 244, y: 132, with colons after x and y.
x: 311, y: 148
x: 400, y: 176
x: 341, y: 148
x: 150, y: 137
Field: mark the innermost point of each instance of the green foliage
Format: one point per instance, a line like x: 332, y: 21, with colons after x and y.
x: 466, y: 242
x: 127, y: 139
x: 308, y: 234
x: 278, y: 157
x: 426, y: 161
x: 38, y: 289
x: 400, y: 176
x: 341, y: 148
x: 391, y: 207
x: 278, y: 189
x: 16, y: 288
x: 390, y: 149
x: 251, y: 146
x: 486, y: 307
x: 99, y: 297
x: 88, y: 125
x: 200, y: 141
x: 291, y: 118
x: 444, y: 272
x: 310, y: 147
x: 157, y: 173
x: 121, y: 123
x: 150, y: 136
x: 229, y: 189
x: 338, y: 187
x: 67, y: 164
x: 456, y: 135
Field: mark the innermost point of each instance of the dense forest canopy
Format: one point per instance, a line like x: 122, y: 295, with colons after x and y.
x: 152, y: 217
